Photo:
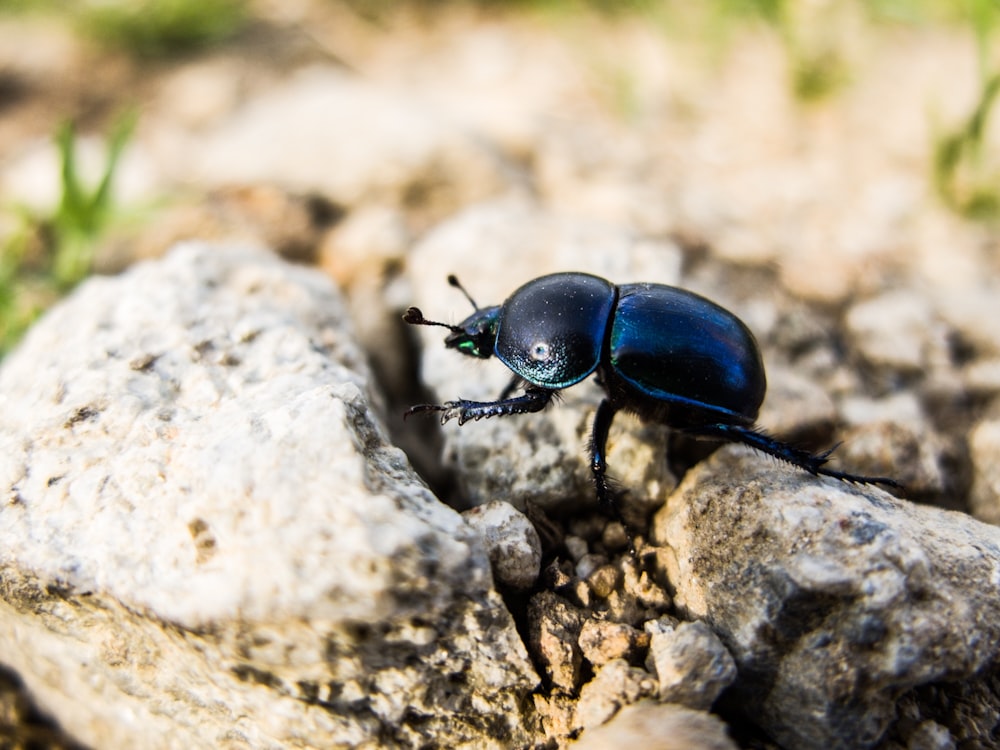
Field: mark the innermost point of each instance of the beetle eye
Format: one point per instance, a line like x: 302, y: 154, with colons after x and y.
x: 469, y: 347
x: 540, y: 351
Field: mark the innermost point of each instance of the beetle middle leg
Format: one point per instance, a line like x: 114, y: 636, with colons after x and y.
x: 599, y: 465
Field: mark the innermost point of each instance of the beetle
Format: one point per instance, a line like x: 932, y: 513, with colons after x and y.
x: 666, y: 354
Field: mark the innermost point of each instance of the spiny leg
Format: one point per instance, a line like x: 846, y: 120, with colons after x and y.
x: 599, y: 465
x: 532, y: 400
x: 813, y: 463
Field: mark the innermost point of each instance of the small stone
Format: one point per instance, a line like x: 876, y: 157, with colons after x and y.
x: 691, y: 664
x: 553, y: 637
x: 614, y: 537
x: 557, y: 575
x: 615, y: 685
x: 589, y: 563
x: 640, y: 586
x: 984, y: 450
x: 587, y: 526
x: 625, y: 607
x: 604, y: 580
x: 929, y: 735
x: 796, y: 404
x: 972, y: 312
x: 557, y: 712
x: 898, y: 407
x: 511, y: 542
x: 576, y: 547
x: 982, y: 377
x: 896, y: 330
x: 602, y: 641
x: 911, y: 452
x: 583, y: 595
x: 366, y: 242
x: 648, y: 725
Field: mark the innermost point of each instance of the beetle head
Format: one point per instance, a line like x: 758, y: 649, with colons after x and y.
x: 474, y: 336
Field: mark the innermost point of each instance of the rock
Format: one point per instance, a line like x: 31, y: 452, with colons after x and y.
x: 329, y: 131
x: 511, y: 541
x: 615, y: 685
x: 657, y: 726
x: 589, y: 564
x: 833, y: 599
x: 796, y: 404
x: 971, y: 311
x: 982, y: 377
x: 604, y: 580
x: 897, y: 330
x: 929, y: 735
x: 690, y: 662
x: 602, y: 641
x: 201, y: 93
x: 553, y: 636
x: 984, y: 447
x: 911, y: 452
x: 208, y: 541
x: 640, y: 597
x: 965, y: 715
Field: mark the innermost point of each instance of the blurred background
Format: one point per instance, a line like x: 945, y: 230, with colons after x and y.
x: 840, y: 156
x: 845, y: 144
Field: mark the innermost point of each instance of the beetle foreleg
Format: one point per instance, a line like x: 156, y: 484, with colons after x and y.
x: 533, y: 399
x: 813, y: 463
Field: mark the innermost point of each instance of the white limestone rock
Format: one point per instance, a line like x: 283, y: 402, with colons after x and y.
x: 207, y: 541
x: 836, y: 601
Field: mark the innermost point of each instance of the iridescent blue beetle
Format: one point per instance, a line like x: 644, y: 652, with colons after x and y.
x: 666, y: 354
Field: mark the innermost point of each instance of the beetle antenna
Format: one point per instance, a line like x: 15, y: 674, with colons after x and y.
x: 414, y: 317
x: 453, y: 280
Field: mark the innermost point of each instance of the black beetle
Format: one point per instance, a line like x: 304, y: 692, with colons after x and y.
x: 666, y: 354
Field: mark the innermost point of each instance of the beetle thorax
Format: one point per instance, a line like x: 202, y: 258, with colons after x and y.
x: 551, y: 331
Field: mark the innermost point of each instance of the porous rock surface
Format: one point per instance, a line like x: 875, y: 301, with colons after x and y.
x: 853, y: 617
x: 207, y: 541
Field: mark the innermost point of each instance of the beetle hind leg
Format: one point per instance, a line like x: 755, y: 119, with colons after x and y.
x: 811, y: 462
